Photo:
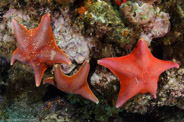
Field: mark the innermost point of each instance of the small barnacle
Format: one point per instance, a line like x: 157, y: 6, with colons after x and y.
x: 125, y: 32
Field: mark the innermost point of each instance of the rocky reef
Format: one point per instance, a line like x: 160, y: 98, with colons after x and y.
x: 90, y: 30
x: 153, y: 22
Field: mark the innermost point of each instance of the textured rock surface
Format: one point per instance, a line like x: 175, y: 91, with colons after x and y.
x: 104, y: 81
x: 158, y: 28
x: 155, y: 23
x: 138, y: 13
x: 75, y: 45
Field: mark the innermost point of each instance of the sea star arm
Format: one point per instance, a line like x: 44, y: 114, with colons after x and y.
x: 151, y: 85
x: 42, y: 35
x: 130, y: 86
x: 17, y: 56
x: 84, y: 90
x: 120, y: 65
x: 78, y: 79
x: 161, y: 66
x: 54, y: 55
x: 49, y: 80
x: 60, y: 57
x: 62, y: 80
x: 21, y: 36
x: 87, y: 93
x: 39, y: 70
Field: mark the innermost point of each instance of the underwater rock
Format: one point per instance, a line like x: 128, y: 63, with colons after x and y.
x: 20, y: 16
x: 3, y: 60
x: 172, y: 92
x: 102, y: 22
x: 138, y: 13
x: 103, y: 80
x: 20, y: 84
x: 180, y: 10
x: 159, y: 28
x: 74, y: 44
x: 154, y: 22
x: 176, y: 12
x: 161, y: 25
x: 68, y: 68
x: 3, y: 102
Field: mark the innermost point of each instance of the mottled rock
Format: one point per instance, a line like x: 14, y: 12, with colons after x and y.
x: 104, y: 82
x: 21, y: 17
x: 138, y: 13
x: 74, y: 44
x: 154, y: 23
x: 158, y: 28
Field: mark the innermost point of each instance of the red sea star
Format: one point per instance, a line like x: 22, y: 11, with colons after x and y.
x: 76, y: 84
x: 138, y: 72
x: 37, y: 47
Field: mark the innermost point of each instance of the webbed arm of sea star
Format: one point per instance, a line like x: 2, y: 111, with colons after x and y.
x: 71, y: 83
x: 78, y: 79
x: 86, y: 92
x: 160, y: 66
x: 62, y: 81
x: 121, y: 65
x: 39, y: 70
x: 22, y: 37
x: 151, y: 85
x: 129, y: 87
x: 49, y: 80
x: 54, y: 55
x: 17, y: 56
x: 42, y: 35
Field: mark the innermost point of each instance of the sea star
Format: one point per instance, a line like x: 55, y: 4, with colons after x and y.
x: 76, y: 84
x: 37, y: 47
x: 138, y: 72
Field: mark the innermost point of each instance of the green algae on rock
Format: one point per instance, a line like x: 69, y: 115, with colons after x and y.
x: 102, y: 21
